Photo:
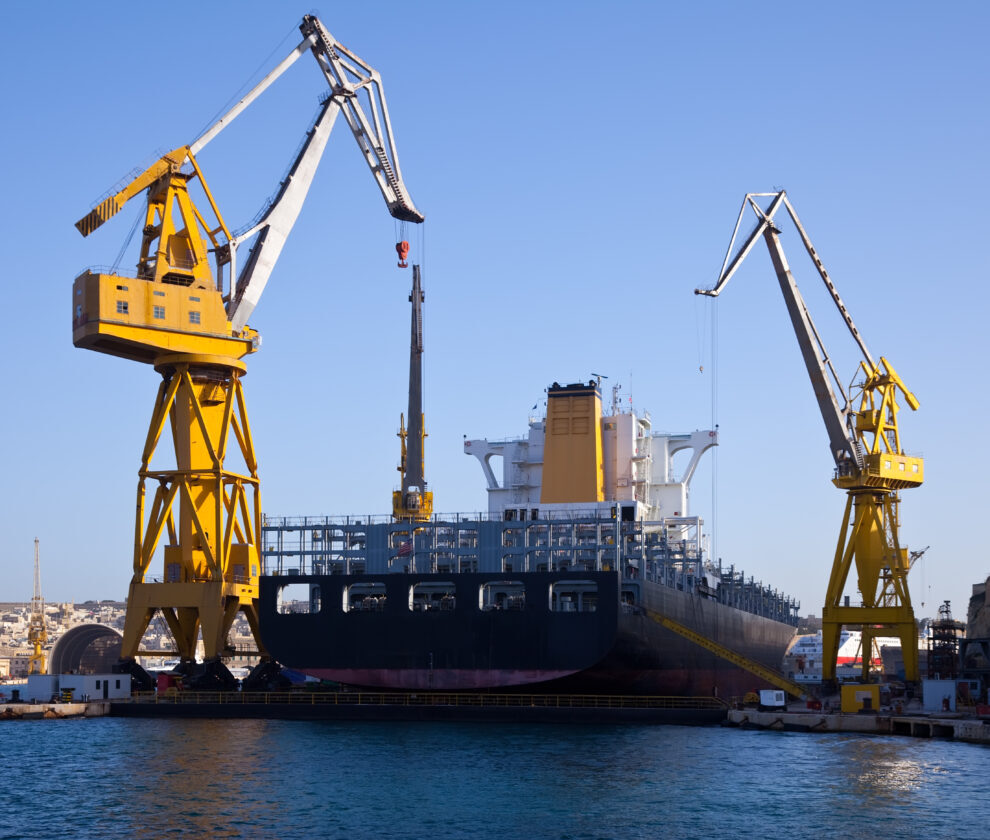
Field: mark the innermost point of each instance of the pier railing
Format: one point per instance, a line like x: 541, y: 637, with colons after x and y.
x: 347, y: 698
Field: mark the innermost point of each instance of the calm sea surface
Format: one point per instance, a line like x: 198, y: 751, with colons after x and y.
x: 163, y: 779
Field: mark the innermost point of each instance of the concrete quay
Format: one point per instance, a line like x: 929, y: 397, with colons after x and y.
x: 948, y: 726
x: 52, y: 711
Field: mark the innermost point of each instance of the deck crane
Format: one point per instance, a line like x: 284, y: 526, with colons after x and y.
x: 37, y: 629
x: 190, y: 322
x: 865, y: 443
x: 413, y: 502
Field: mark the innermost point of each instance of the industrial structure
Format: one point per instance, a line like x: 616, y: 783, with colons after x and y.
x: 413, y: 502
x: 189, y: 321
x: 865, y: 443
x: 37, y: 629
x: 944, y: 642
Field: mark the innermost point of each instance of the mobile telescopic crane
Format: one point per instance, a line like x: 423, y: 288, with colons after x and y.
x: 413, y: 502
x: 190, y: 322
x: 865, y: 443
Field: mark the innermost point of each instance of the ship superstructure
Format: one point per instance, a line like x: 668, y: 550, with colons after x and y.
x: 552, y: 588
x: 633, y: 475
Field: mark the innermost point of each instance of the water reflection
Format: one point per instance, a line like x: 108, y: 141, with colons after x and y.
x: 200, y: 778
x: 230, y: 778
x: 884, y: 768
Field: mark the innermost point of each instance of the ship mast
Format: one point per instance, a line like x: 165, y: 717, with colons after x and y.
x: 414, y: 503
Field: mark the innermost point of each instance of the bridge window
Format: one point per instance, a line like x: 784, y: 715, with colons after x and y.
x: 364, y: 597
x: 299, y: 599
x: 425, y: 597
x: 574, y: 596
x: 502, y: 595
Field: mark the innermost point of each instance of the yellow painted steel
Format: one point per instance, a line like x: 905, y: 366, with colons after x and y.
x: 871, y: 465
x: 204, y: 517
x: 211, y: 514
x: 770, y: 675
x: 853, y: 697
x: 38, y: 638
x: 572, y: 457
x: 141, y: 319
x: 417, y: 506
x: 37, y: 626
x: 869, y: 538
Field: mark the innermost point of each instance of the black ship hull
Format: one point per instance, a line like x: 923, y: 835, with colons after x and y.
x: 603, y: 643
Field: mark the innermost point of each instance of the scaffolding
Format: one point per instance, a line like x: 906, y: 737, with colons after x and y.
x: 943, y: 645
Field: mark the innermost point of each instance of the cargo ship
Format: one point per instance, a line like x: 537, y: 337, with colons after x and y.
x: 587, y: 537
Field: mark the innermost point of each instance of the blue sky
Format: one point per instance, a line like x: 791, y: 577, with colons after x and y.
x: 580, y: 166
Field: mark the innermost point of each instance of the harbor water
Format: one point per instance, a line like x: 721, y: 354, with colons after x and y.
x: 254, y: 778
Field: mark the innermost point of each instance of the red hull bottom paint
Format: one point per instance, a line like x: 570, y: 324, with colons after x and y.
x: 437, y: 680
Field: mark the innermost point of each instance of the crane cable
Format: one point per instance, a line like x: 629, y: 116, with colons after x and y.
x: 713, y: 529
x: 127, y: 241
x: 237, y: 94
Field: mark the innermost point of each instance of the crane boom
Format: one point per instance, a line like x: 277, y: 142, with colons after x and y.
x: 348, y: 76
x: 277, y: 221
x: 250, y: 96
x: 824, y: 380
x: 865, y: 443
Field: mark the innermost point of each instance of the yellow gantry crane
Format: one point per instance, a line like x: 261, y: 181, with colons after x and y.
x: 37, y: 628
x: 865, y: 443
x: 189, y: 321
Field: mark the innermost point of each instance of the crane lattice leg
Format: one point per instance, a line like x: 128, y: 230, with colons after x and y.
x: 882, y: 568
x: 210, y: 514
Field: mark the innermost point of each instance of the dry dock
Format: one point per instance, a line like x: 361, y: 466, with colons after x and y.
x: 953, y: 727
x: 49, y: 711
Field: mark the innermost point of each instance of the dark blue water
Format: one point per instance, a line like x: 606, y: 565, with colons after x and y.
x: 219, y: 779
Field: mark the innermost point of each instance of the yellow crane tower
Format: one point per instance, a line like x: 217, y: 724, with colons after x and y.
x: 37, y: 629
x: 189, y: 321
x: 865, y: 443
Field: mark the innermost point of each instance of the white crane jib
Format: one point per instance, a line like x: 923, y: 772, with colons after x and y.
x: 350, y: 79
x: 824, y: 379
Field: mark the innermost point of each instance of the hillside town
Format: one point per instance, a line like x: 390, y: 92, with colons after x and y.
x: 16, y: 649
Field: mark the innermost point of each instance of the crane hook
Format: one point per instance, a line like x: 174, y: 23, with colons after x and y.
x: 402, y: 249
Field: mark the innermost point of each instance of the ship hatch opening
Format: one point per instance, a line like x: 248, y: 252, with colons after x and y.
x: 299, y: 599
x: 364, y: 597
x: 574, y: 596
x: 439, y: 595
x: 502, y: 595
